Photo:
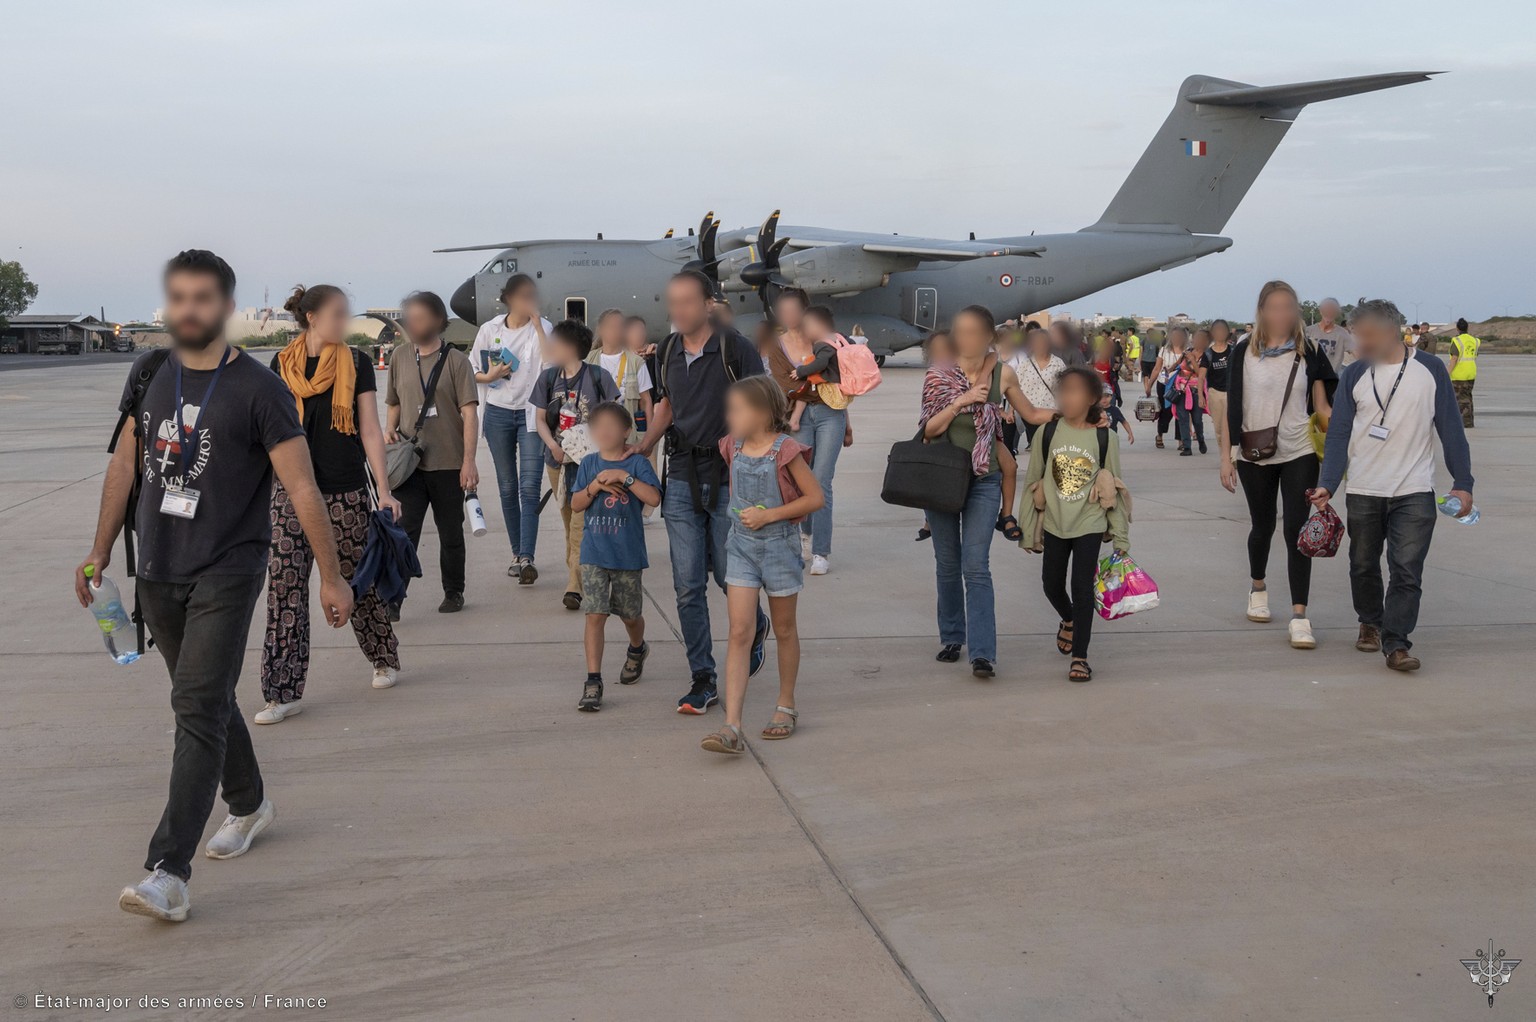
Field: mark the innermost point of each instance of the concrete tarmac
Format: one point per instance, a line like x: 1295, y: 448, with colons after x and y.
x: 1217, y: 827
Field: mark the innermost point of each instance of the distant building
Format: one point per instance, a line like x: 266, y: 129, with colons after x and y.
x: 1181, y: 319
x: 55, y: 335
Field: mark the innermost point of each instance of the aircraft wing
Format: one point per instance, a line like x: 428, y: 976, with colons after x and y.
x: 477, y: 248
x: 925, y: 249
x: 899, y: 245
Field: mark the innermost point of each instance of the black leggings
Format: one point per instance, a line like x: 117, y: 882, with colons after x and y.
x: 1164, y: 411
x: 1290, y: 480
x: 1083, y: 554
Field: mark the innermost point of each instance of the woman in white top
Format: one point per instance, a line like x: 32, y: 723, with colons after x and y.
x: 508, y: 356
x: 1277, y: 379
x: 1037, y: 367
x: 1168, y: 360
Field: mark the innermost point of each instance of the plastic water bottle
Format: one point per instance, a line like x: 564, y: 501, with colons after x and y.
x: 111, y: 618
x: 1451, y: 507
x: 475, y: 513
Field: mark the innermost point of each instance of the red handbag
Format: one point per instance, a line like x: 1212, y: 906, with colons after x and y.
x: 1322, y: 533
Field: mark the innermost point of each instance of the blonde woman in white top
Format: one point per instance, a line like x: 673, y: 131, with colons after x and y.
x: 1278, y: 378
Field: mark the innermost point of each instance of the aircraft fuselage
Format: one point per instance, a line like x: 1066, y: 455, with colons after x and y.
x: 579, y: 279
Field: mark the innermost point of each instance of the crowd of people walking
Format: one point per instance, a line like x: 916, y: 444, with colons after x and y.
x: 284, y: 469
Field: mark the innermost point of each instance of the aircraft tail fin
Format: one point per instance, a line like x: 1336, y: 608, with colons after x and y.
x: 1215, y: 141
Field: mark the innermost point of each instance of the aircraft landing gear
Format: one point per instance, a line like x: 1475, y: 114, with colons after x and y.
x: 880, y: 361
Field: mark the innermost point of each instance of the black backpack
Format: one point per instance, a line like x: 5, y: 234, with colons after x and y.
x: 732, y: 363
x: 1049, y: 431
x: 129, y: 409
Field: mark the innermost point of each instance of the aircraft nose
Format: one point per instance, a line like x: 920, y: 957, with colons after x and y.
x: 463, y: 302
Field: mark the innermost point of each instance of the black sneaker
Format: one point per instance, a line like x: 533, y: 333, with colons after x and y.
x: 1203, y: 448
x: 527, y: 574
x: 634, y: 663
x: 701, y: 695
x: 394, y: 612
x: 759, y: 646
x: 591, y: 697
x: 983, y: 668
x: 1185, y: 452
x: 572, y: 601
x: 452, y: 603
x: 950, y: 654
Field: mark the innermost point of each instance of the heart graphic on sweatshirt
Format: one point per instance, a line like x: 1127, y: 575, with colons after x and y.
x: 1071, y: 474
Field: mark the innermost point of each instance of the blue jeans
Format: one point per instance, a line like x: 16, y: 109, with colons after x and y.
x: 822, y: 430
x: 1404, y: 525
x: 697, y: 542
x: 961, y: 546
x: 1185, y: 416
x: 519, y: 458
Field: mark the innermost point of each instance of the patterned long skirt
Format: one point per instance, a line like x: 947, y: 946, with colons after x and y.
x: 285, y: 657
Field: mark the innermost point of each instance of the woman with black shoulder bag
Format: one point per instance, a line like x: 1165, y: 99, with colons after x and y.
x: 1277, y: 380
x: 962, y: 405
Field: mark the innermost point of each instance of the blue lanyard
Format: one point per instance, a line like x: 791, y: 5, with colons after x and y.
x: 187, y: 448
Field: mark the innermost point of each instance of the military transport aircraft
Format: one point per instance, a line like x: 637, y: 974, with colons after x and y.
x: 1168, y: 212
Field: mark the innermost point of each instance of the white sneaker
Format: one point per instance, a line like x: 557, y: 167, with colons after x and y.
x: 160, y: 895
x: 235, y: 836
x: 819, y: 565
x: 276, y: 713
x: 385, y: 677
x: 805, y: 547
x: 1258, y: 606
x: 1301, y: 634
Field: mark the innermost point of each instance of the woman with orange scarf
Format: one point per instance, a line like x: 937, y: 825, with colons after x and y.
x: 334, y: 390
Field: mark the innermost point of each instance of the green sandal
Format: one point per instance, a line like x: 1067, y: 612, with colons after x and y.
x: 778, y: 729
x: 728, y: 740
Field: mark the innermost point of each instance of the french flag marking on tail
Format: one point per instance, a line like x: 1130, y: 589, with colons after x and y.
x: 1194, y: 147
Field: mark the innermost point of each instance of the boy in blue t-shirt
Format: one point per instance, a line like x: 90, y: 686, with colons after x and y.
x: 613, y: 486
x: 1113, y: 417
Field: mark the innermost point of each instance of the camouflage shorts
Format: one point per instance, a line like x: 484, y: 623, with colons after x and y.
x: 611, y: 591
x: 1463, y: 389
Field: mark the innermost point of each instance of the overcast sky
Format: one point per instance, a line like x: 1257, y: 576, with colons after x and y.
x: 343, y: 141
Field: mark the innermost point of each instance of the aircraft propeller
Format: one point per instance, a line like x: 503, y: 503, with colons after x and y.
x: 764, y: 273
x: 707, y: 261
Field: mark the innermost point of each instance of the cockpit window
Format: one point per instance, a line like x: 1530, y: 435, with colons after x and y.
x: 511, y: 265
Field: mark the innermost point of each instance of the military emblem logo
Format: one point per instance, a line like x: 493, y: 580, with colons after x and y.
x: 1490, y: 970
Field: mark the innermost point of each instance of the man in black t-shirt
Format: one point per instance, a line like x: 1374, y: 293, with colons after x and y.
x: 694, y: 368
x: 207, y: 426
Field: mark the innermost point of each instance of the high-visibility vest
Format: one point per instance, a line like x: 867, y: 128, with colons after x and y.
x: 1133, y: 348
x: 1465, y: 346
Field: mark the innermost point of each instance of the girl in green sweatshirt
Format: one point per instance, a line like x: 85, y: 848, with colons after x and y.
x: 1080, y: 502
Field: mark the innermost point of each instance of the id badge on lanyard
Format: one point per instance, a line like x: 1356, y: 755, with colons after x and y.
x: 1379, y: 430
x: 181, y: 501
x: 431, y: 412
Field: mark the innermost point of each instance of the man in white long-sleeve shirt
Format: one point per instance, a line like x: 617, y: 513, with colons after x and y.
x: 1388, y: 407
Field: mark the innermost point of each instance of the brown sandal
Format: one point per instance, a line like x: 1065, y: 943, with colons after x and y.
x: 1080, y: 671
x: 1064, y: 639
x: 779, y: 729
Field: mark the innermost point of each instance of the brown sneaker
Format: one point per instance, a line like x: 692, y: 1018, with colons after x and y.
x: 1369, y: 639
x: 1402, y: 660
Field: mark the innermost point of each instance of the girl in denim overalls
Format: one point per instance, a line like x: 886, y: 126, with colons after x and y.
x: 772, y: 489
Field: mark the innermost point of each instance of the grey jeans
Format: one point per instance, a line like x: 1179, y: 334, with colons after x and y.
x: 200, y: 629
